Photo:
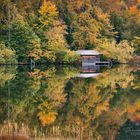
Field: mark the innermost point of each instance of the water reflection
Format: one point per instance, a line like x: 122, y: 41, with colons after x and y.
x: 56, y: 103
x: 89, y: 71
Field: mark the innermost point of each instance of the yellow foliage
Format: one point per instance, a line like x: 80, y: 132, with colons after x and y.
x: 103, y: 17
x: 56, y: 38
x: 47, y: 118
x: 121, y: 77
x: 121, y: 52
x: 44, y: 104
x: 48, y: 13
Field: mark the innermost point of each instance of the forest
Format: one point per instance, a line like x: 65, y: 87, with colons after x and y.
x: 50, y: 31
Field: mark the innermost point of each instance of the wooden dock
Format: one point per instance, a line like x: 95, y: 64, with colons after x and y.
x: 96, y: 63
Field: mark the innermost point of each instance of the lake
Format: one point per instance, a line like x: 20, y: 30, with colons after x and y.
x: 70, y: 103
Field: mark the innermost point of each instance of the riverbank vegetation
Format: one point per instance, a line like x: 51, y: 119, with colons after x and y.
x: 51, y: 30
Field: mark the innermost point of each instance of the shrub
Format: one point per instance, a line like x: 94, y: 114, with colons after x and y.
x: 67, y: 57
x: 121, y: 52
x: 48, y: 56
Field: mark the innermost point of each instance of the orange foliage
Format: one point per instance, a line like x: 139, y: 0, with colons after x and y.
x: 46, y: 115
x: 134, y: 111
x: 133, y: 9
x: 47, y: 118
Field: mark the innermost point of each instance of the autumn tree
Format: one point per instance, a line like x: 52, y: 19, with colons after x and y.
x: 47, y: 14
x: 86, y: 23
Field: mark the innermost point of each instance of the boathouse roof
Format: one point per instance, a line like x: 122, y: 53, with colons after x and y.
x: 87, y: 52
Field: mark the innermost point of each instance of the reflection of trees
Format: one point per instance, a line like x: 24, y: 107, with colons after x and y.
x: 118, y: 77
x: 34, y: 92
x: 16, y: 96
x: 90, y: 99
x: 51, y: 95
x: 74, y: 107
x: 7, y: 73
x: 124, y: 104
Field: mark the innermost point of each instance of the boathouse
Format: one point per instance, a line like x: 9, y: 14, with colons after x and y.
x: 91, y: 63
x: 89, y: 56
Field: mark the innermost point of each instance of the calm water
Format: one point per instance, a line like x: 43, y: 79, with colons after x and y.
x: 68, y: 103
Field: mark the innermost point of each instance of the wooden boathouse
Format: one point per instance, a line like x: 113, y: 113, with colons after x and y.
x: 91, y: 57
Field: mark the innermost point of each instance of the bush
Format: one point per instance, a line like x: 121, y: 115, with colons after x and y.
x: 48, y: 56
x: 67, y: 57
x: 121, y: 52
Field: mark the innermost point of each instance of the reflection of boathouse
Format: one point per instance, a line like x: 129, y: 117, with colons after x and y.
x: 89, y: 71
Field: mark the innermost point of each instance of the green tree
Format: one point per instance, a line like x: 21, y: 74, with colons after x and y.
x: 22, y: 39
